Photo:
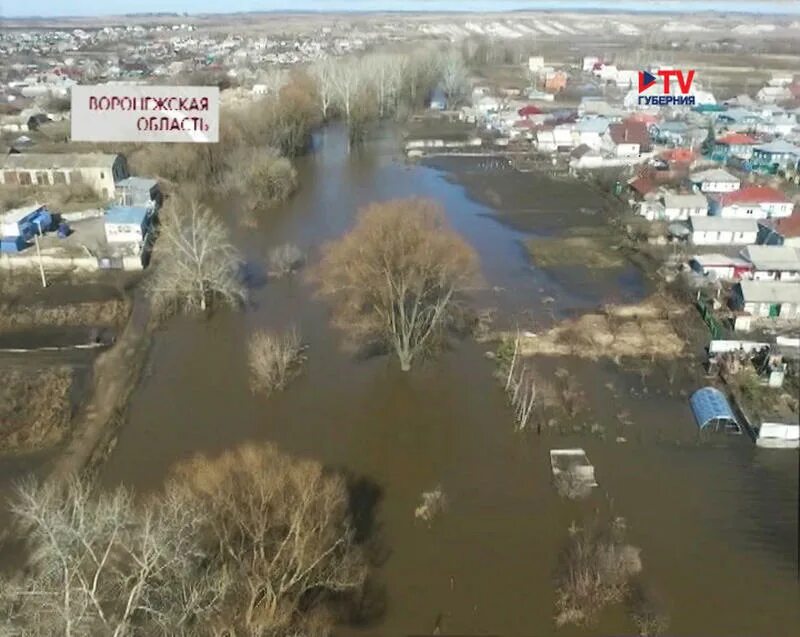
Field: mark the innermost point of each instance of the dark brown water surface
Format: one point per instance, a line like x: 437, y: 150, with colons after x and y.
x: 717, y: 523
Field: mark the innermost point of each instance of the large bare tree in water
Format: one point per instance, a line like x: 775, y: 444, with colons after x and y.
x: 397, y: 277
x: 250, y: 543
x: 196, y: 263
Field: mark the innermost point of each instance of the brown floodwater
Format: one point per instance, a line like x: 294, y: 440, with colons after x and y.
x: 717, y: 522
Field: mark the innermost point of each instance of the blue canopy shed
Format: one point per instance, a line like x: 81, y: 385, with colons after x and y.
x: 712, y: 411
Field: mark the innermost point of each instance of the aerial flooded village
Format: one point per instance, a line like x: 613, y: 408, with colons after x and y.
x: 432, y: 320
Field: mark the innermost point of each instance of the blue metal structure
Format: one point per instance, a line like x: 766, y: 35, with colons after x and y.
x: 712, y: 411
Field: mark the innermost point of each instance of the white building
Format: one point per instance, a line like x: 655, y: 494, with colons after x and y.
x: 684, y: 206
x: 535, y: 63
x: 715, y: 180
x: 589, y: 62
x: 723, y: 231
x: 773, y: 263
x: 768, y: 299
x: 719, y: 266
x: 752, y: 202
x: 127, y: 224
x: 98, y: 170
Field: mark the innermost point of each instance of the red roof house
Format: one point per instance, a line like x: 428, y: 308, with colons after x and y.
x: 527, y: 111
x: 736, y: 139
x: 630, y: 132
x: 754, y: 202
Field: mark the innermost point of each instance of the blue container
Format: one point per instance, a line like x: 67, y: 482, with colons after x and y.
x: 13, y: 244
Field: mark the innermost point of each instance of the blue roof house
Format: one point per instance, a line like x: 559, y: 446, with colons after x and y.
x: 127, y: 224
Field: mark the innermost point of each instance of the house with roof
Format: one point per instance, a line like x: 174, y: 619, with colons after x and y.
x: 777, y: 154
x: 683, y: 206
x: 127, y: 225
x: 139, y: 191
x: 738, y: 119
x: 707, y: 231
x: 770, y: 300
x: 733, y: 145
x: 772, y: 94
x: 590, y: 131
x: 714, y: 180
x: 674, y: 133
x: 782, y: 231
x: 773, y: 263
x: 627, y: 139
x: 101, y: 171
x: 751, y: 202
x: 720, y: 266
x: 777, y: 123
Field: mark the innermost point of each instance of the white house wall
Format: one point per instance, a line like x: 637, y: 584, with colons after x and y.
x: 726, y: 237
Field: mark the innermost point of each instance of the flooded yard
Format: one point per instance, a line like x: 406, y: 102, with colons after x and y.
x: 717, y: 522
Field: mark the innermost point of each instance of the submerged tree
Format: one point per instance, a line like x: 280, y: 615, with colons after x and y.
x: 397, y: 278
x: 250, y: 543
x: 281, y: 530
x: 196, y: 264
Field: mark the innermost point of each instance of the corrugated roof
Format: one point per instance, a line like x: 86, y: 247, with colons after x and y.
x: 714, y: 174
x: 126, y: 214
x: 736, y: 138
x: 770, y: 291
x: 710, y: 404
x: 767, y: 257
x: 717, y: 224
x: 50, y: 161
x: 779, y: 146
x: 753, y: 194
x: 696, y: 200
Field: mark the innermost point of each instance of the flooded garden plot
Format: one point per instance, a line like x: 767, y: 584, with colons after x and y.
x: 48, y: 338
x: 710, y: 523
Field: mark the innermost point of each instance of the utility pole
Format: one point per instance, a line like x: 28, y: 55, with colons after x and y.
x: 39, y: 254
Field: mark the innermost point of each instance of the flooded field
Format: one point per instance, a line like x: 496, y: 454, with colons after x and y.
x: 717, y: 523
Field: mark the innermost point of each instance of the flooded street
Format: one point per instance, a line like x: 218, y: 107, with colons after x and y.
x: 717, y: 524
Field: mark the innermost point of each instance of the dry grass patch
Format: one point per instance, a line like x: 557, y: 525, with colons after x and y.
x: 596, y: 570
x: 94, y: 313
x: 635, y: 331
x: 35, y: 408
x: 592, y: 252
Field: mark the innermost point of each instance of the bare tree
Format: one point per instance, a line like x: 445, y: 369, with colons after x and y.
x: 454, y: 77
x: 285, y: 259
x: 251, y: 543
x: 384, y: 72
x: 520, y: 387
x: 97, y: 565
x: 397, y: 277
x: 281, y: 529
x: 323, y: 74
x: 196, y: 264
x: 274, y: 359
x: 348, y: 80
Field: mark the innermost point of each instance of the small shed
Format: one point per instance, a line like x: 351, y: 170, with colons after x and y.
x: 25, y: 222
x: 126, y: 224
x: 139, y: 191
x: 713, y: 412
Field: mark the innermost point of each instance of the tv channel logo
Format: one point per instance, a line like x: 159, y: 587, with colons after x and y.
x: 683, y: 80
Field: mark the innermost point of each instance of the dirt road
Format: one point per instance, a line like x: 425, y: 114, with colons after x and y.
x: 116, y: 373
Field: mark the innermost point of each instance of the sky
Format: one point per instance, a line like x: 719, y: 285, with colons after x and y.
x: 17, y: 8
